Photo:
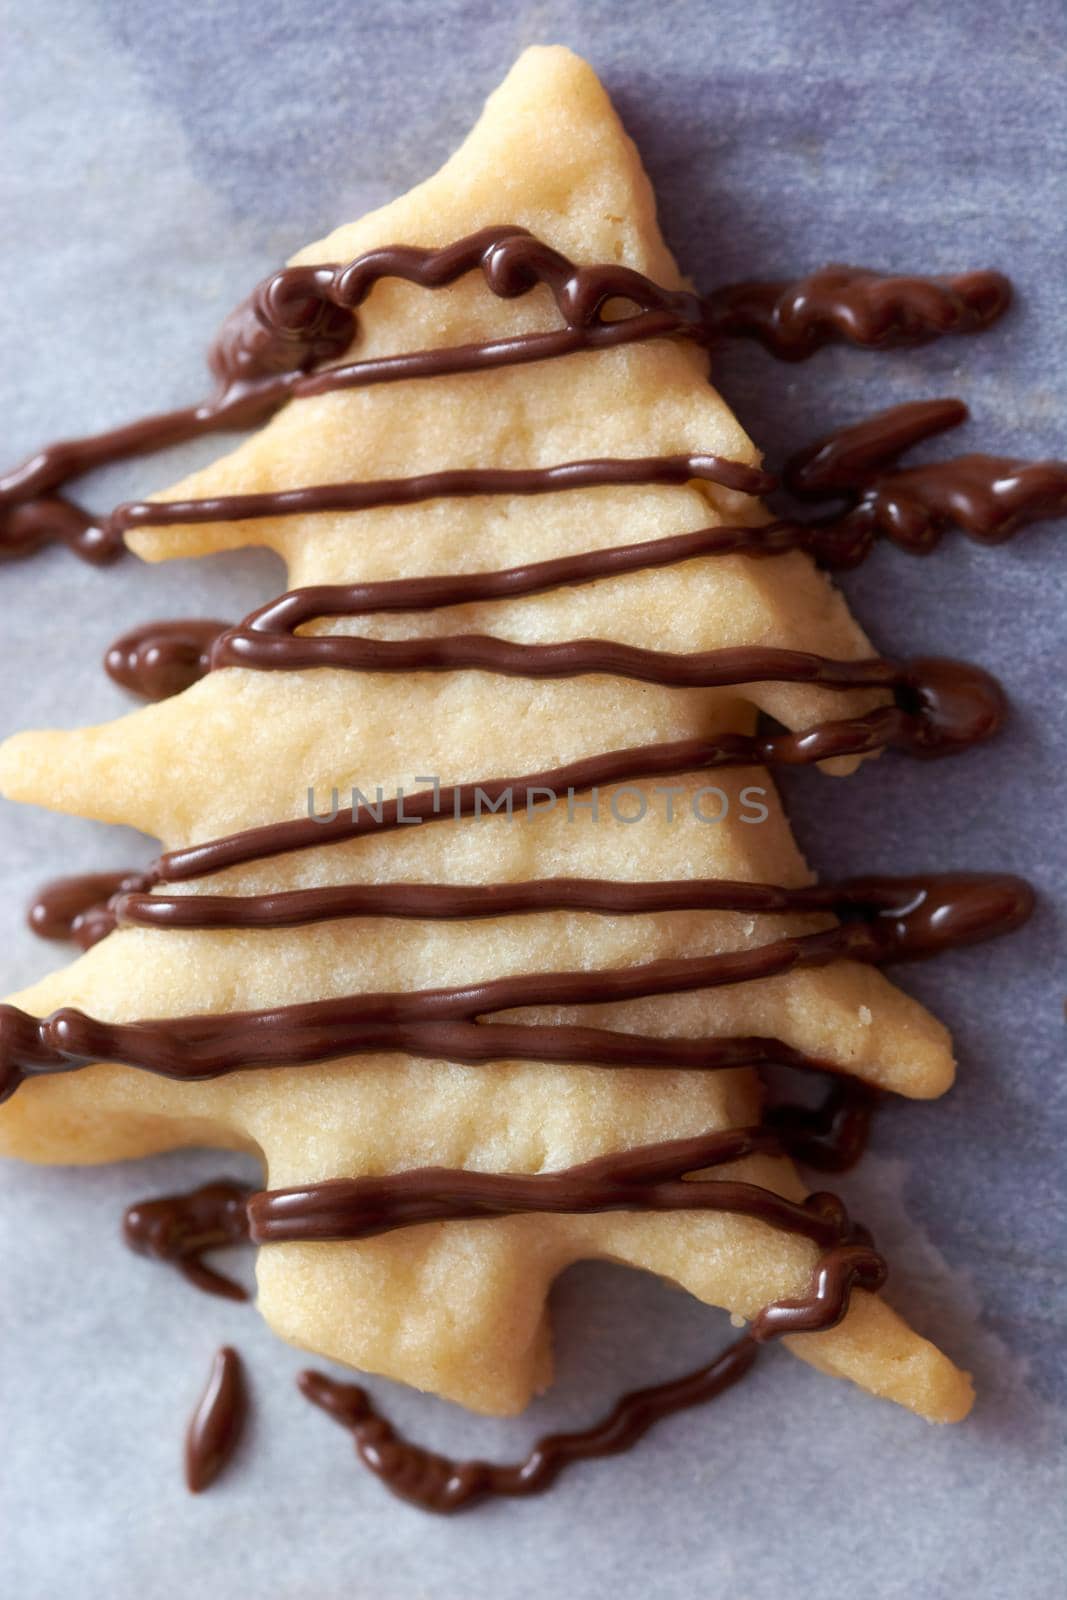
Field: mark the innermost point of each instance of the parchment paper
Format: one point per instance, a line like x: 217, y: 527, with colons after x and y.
x: 161, y: 159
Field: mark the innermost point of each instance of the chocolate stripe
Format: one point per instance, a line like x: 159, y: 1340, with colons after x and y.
x: 649, y: 1178
x: 449, y: 484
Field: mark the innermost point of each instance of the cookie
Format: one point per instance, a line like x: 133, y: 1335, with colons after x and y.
x: 458, y: 1306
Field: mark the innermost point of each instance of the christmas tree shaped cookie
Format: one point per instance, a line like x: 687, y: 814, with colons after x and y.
x: 458, y: 1305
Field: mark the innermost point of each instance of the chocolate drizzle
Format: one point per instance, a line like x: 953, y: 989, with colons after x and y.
x: 177, y: 1227
x: 215, y: 1427
x: 847, y: 1266
x: 941, y: 708
x: 437, y: 1483
x: 987, y: 497
x: 254, y: 365
x: 432, y: 1023
x: 32, y: 515
x: 647, y: 1178
x: 698, y: 669
x: 303, y: 316
x: 949, y: 902
x: 832, y: 1136
x: 462, y: 482
x: 271, y: 350
x: 181, y: 1228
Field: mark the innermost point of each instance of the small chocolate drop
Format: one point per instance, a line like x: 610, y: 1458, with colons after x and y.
x: 215, y: 1426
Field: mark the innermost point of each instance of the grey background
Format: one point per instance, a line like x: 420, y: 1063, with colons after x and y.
x: 160, y: 160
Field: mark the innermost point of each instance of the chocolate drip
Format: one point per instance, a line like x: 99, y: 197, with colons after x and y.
x: 216, y: 1424
x: 26, y: 526
x: 989, y: 498
x: 302, y: 316
x: 436, y: 1483
x: 180, y: 1228
x: 853, y: 305
x: 648, y: 1178
x: 566, y: 475
x: 77, y: 907
x: 442, y: 1023
x: 512, y: 264
x: 792, y: 320
x: 851, y: 458
x: 942, y: 706
x: 160, y: 659
x: 196, y: 1048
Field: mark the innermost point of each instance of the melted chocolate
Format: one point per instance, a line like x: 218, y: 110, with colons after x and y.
x: 215, y: 1426
x: 647, y: 1178
x: 265, y: 355
x: 851, y: 458
x: 443, y: 1023
x: 832, y: 1136
x: 987, y: 497
x: 995, y: 903
x: 255, y: 366
x: 439, y: 1484
x: 450, y: 484
x: 180, y: 1228
x: 852, y: 305
x: 846, y: 304
x: 77, y: 907
x: 302, y: 316
x: 31, y: 515
x: 160, y: 659
x: 436, y: 1483
x: 698, y: 669
x: 847, y: 1266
